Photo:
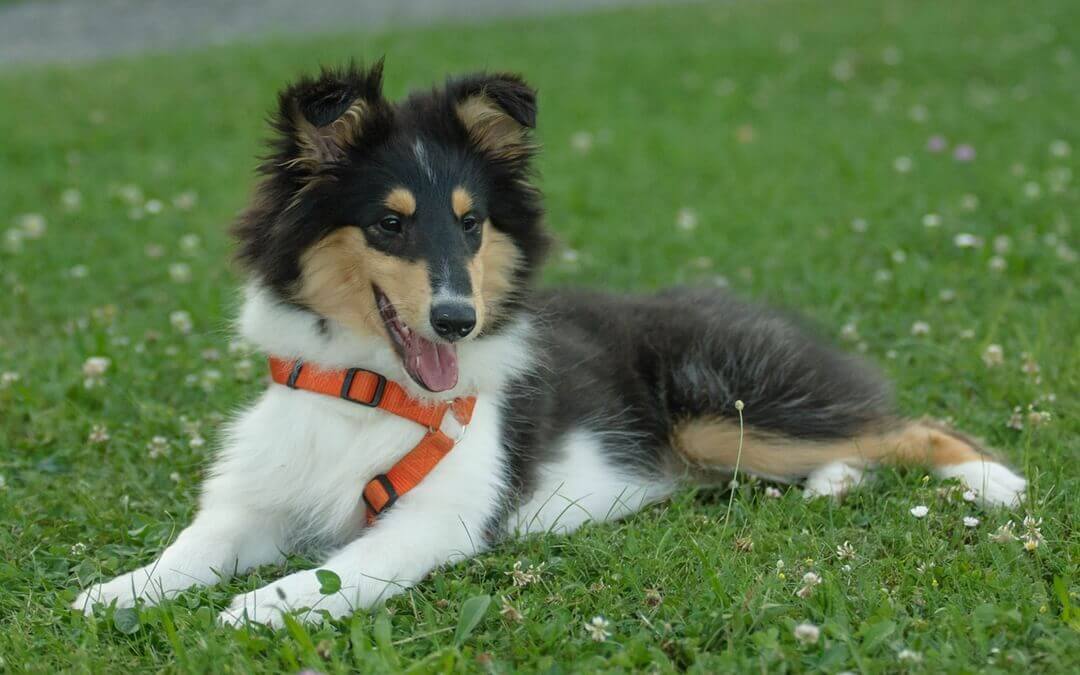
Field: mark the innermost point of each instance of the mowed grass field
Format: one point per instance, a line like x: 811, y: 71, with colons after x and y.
x: 905, y: 173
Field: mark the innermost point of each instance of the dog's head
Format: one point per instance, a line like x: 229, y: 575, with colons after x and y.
x: 411, y: 221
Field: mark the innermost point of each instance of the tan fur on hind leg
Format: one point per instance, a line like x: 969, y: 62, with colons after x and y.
x: 709, y: 445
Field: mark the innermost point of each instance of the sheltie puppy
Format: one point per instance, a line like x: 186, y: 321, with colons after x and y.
x: 396, y: 244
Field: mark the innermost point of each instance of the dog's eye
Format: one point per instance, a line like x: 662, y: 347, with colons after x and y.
x: 469, y: 222
x: 390, y: 225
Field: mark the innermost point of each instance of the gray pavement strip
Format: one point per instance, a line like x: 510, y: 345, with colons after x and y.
x: 83, y: 30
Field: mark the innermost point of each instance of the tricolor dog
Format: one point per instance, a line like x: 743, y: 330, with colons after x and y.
x: 427, y: 400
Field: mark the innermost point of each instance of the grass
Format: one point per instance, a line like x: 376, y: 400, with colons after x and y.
x: 772, y: 126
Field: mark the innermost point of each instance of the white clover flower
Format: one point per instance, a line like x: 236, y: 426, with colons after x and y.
x: 903, y: 164
x: 845, y: 551
x: 581, y: 142
x: 13, y: 240
x: 807, y: 633
x: 570, y: 256
x: 686, y: 219
x: 8, y: 378
x: 185, y: 201
x: 1004, y: 533
x: 190, y: 243
x: 524, y: 577
x: 99, y: 434
x: 931, y: 220
x: 809, y: 580
x: 843, y: 70
x: 1060, y: 148
x: 243, y: 369
x: 158, y: 446
x: 997, y: 264
x: 79, y: 272
x: 132, y: 194
x: 1038, y: 418
x: 920, y: 328
x: 971, y: 521
x: 1032, y: 536
x: 970, y: 495
x: 919, y: 511
x: 180, y: 272
x: 71, y: 199
x: 154, y: 207
x: 772, y: 493
x: 967, y: 240
x: 598, y: 629
x: 32, y: 225
x: 1016, y: 419
x: 181, y: 321
x: 96, y: 366
x: 993, y: 355
x: 509, y: 612
x: 909, y: 656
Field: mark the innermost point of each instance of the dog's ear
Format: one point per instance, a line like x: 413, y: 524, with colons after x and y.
x: 498, y: 111
x: 321, y: 118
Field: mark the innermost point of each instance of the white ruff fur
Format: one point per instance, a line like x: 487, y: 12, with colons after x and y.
x: 293, y: 465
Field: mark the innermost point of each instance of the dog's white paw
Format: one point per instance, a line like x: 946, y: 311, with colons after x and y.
x: 994, y: 483
x: 299, y: 592
x: 124, y: 590
x: 833, y: 480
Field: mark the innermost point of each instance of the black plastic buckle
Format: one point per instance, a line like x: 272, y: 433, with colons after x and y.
x: 391, y: 493
x: 376, y: 398
x: 297, y: 367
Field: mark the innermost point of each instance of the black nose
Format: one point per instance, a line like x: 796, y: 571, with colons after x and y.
x: 453, y: 320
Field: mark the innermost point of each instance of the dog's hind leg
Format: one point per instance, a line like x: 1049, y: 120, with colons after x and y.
x: 831, y: 467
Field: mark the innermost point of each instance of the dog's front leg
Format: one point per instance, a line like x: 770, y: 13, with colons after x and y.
x: 441, y: 521
x: 220, y: 541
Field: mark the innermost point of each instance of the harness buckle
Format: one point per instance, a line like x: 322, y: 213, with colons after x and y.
x: 391, y: 494
x: 376, y: 398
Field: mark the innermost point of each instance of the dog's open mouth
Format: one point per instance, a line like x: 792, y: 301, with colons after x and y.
x: 433, y: 365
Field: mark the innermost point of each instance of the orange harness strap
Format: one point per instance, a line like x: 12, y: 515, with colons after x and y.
x: 375, y: 391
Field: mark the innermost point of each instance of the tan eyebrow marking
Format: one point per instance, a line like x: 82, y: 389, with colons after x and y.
x: 461, y: 201
x: 401, y: 200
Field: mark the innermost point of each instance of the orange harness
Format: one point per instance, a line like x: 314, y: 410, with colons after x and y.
x: 375, y: 391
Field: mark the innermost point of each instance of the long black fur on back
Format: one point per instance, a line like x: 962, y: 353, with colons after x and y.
x: 631, y: 367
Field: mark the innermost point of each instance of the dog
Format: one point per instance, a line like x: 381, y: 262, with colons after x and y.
x: 427, y: 400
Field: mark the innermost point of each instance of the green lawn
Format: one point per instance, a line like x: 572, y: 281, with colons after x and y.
x: 780, y: 147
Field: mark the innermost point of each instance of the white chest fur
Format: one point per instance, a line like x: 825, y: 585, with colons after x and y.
x: 303, y: 459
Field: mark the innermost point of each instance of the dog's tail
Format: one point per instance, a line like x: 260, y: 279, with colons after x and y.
x: 830, y: 467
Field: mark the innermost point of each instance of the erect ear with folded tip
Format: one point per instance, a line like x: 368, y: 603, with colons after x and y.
x: 498, y: 111
x: 321, y: 118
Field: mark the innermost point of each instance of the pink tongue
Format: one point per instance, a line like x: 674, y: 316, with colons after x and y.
x: 432, y: 364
